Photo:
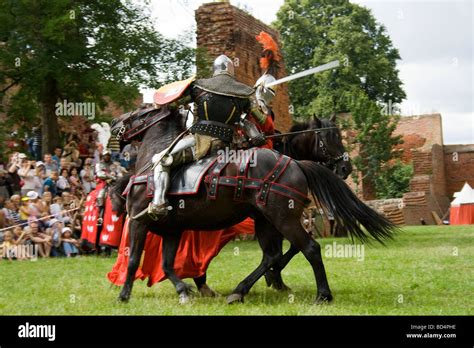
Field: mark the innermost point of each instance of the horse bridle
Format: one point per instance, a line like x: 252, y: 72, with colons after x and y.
x: 330, y: 162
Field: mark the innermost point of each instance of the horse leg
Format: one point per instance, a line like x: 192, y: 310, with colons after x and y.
x: 137, y: 237
x: 273, y: 276
x: 311, y: 249
x: 265, y: 232
x: 170, y: 247
x: 203, y: 288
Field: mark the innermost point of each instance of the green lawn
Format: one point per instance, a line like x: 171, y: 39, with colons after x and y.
x: 427, y: 270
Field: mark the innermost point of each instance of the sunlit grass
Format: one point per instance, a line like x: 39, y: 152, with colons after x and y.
x: 427, y: 270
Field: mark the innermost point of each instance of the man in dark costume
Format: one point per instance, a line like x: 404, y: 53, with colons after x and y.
x: 219, y: 103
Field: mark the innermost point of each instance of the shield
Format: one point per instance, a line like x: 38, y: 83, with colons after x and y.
x: 170, y: 92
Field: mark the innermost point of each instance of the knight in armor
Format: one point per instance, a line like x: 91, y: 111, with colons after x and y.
x: 264, y: 95
x: 107, y: 171
x: 219, y: 103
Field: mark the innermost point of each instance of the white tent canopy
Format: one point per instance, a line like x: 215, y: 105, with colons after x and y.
x: 465, y: 196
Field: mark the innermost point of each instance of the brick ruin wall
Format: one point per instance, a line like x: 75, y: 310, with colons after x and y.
x: 225, y: 29
x: 459, y: 167
x: 430, y: 185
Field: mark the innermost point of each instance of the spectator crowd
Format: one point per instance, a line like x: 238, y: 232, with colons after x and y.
x: 41, y: 201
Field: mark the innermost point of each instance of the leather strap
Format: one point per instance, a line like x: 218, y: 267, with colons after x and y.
x: 149, y: 121
x: 272, y: 177
x: 215, y: 172
x: 242, y: 174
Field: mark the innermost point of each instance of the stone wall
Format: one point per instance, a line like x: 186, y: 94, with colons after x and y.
x: 459, y: 167
x: 225, y: 29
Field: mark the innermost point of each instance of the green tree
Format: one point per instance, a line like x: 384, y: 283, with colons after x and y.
x: 394, y: 181
x: 314, y: 32
x: 80, y: 51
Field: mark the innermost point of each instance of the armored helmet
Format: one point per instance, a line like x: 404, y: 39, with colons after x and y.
x: 223, y: 65
x: 263, y: 94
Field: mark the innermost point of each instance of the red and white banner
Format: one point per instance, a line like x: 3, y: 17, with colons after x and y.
x: 112, y: 228
x: 89, y: 220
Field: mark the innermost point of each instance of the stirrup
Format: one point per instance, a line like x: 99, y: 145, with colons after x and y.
x: 154, y: 212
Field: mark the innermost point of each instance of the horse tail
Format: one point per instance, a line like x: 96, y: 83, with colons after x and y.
x: 348, y: 210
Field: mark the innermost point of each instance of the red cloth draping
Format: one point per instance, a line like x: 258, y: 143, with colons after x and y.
x: 195, y: 252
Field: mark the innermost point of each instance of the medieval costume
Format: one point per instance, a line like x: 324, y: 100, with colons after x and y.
x: 220, y: 101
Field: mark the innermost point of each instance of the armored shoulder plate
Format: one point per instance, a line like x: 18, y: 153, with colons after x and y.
x: 224, y: 84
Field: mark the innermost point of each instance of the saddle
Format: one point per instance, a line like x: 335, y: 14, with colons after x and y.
x: 187, y: 179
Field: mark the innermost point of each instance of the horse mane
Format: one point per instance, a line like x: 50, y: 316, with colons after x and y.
x: 309, y: 124
x: 299, y: 126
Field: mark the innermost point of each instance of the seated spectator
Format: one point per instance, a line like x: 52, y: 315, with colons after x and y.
x: 56, y: 208
x: 62, y: 185
x: 54, y: 230
x: 42, y: 240
x: 57, y: 155
x: 44, y: 203
x: 77, y: 227
x: 12, y: 215
x: 8, y: 247
x: 87, y: 176
x: 74, y: 181
x: 49, y: 164
x: 69, y: 202
x: 24, y: 210
x: 16, y: 200
x: 69, y: 244
x: 22, y: 240
x: 49, y: 184
x: 34, y: 206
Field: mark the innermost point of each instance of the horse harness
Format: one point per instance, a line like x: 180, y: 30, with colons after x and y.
x: 242, y: 183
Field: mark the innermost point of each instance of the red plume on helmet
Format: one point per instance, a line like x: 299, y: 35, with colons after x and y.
x: 270, y: 55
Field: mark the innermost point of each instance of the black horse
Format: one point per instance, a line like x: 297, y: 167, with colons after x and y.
x: 274, y: 216
x: 324, y: 147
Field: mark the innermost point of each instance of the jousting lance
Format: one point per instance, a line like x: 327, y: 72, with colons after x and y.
x: 327, y: 66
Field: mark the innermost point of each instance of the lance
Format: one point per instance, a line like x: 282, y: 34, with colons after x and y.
x: 327, y: 66
x: 315, y: 130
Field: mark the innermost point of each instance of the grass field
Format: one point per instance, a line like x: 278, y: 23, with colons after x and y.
x: 427, y: 270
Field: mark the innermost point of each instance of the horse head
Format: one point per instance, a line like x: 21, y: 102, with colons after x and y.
x: 324, y: 146
x: 330, y: 144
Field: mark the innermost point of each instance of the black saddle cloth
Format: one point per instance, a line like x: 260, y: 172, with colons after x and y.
x: 187, y: 178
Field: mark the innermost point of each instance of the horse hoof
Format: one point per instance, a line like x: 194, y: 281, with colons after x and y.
x: 206, y: 291
x: 323, y: 299
x: 183, y: 298
x: 269, y: 279
x: 281, y: 287
x: 123, y: 299
x: 234, y: 298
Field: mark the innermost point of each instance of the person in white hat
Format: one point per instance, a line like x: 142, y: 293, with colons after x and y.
x: 69, y: 243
